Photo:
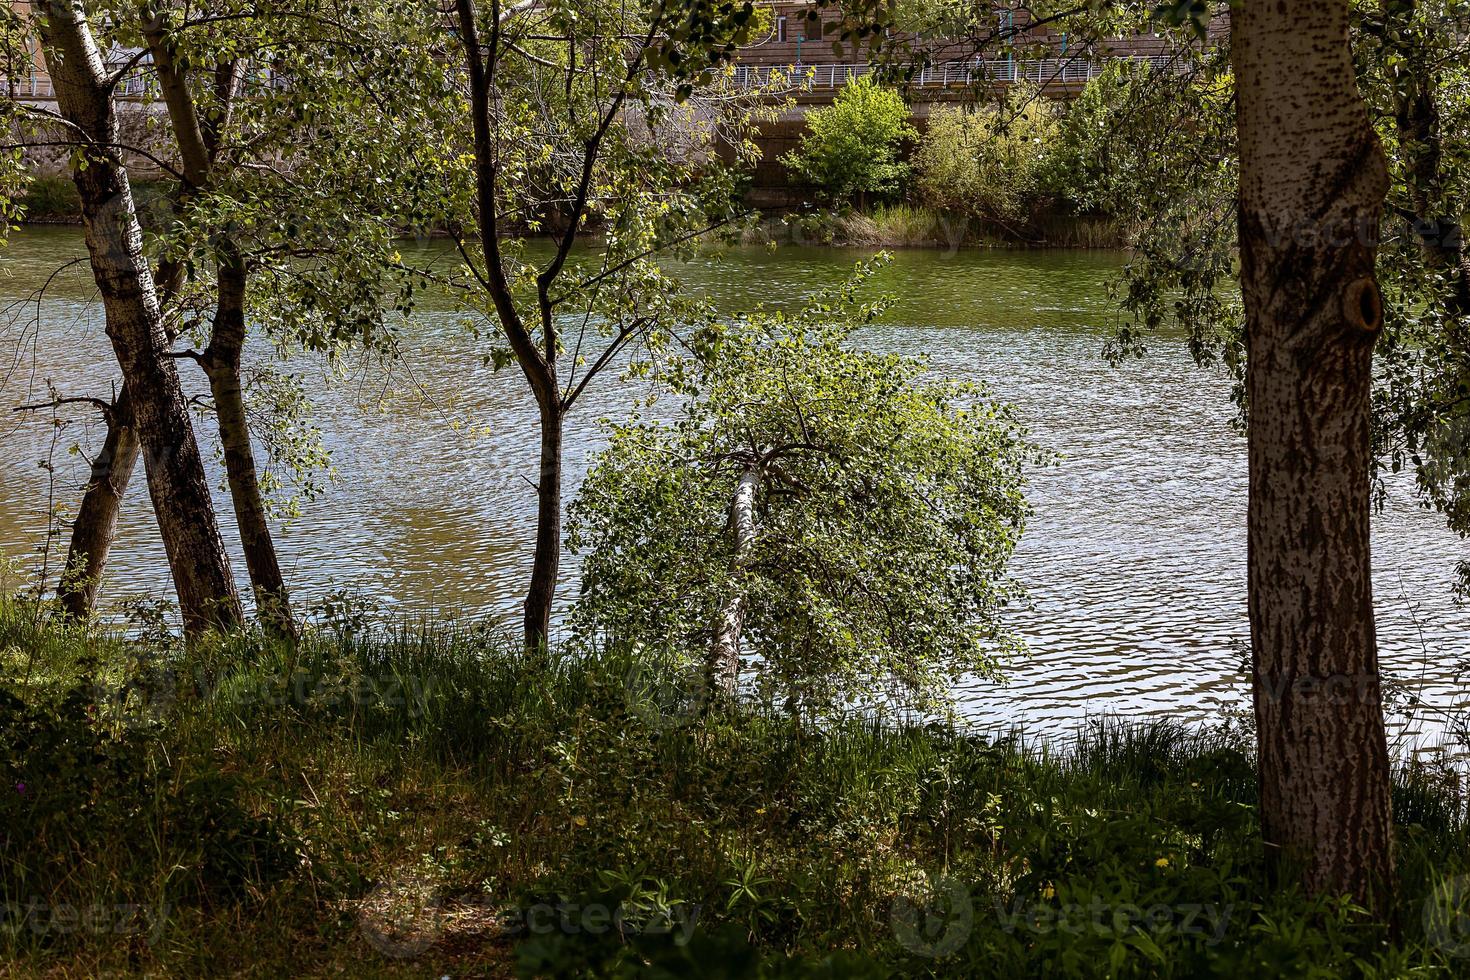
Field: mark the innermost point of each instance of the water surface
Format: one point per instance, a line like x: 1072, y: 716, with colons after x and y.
x: 1135, y: 558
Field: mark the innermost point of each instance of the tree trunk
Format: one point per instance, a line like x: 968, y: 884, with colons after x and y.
x: 1312, y: 185
x: 542, y: 592
x: 538, y: 367
x: 176, y: 479
x: 723, y: 665
x: 222, y: 362
x: 95, y: 527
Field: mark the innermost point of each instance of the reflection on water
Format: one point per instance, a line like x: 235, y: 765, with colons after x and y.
x: 1135, y: 558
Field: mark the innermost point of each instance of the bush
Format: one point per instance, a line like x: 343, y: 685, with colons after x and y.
x: 992, y: 165
x: 851, y: 148
x: 833, y: 512
x: 51, y: 199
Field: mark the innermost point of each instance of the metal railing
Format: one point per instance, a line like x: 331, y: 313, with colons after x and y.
x: 1042, y: 71
x: 136, y: 84
x: 140, y: 83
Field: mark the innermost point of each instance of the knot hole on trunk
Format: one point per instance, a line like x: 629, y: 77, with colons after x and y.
x: 1362, y: 304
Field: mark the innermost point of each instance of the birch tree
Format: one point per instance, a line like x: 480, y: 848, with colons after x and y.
x: 826, y: 518
x: 135, y: 324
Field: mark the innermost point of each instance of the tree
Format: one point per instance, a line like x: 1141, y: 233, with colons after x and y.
x: 989, y: 164
x: 1312, y: 184
x: 263, y: 195
x: 1307, y: 198
x: 1413, y: 60
x: 570, y: 109
x: 177, y: 485
x: 828, y: 511
x: 197, y: 137
x: 851, y: 148
x: 258, y: 195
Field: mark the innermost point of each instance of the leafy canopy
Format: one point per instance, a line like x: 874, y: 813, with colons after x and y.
x: 852, y: 146
x: 989, y: 164
x: 887, y: 507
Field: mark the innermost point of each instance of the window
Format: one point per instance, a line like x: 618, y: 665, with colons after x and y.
x: 781, y: 29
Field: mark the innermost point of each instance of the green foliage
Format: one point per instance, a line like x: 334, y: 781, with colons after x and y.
x: 991, y: 164
x: 255, y: 799
x: 1128, y: 154
x: 87, y: 777
x: 1159, y: 149
x: 887, y: 505
x: 852, y: 147
x: 51, y: 198
x: 1412, y: 64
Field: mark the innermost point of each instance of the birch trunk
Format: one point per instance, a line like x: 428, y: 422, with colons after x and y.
x: 95, y: 527
x: 222, y: 364
x: 176, y: 479
x: 723, y: 666
x: 1312, y: 185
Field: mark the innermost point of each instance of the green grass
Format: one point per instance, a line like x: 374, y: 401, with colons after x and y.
x: 395, y: 801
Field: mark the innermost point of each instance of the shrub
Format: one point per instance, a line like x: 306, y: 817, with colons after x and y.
x: 990, y: 164
x: 849, y: 516
x: 51, y: 199
x: 256, y: 821
x: 851, y: 148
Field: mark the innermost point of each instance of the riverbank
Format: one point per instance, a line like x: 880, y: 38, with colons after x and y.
x: 53, y: 201
x: 394, y: 801
x: 914, y: 226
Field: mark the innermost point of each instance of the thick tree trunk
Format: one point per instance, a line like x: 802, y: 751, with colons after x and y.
x: 547, y: 560
x: 95, y: 526
x: 1313, y: 181
x: 723, y: 665
x: 222, y: 361
x: 175, y: 471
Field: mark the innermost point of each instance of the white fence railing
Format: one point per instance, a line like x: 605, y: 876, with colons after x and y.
x: 141, y: 83
x: 1042, y: 71
x: 37, y: 86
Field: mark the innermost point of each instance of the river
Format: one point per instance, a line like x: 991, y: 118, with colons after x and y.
x: 1134, y: 559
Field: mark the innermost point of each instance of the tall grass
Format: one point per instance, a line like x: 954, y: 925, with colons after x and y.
x: 262, y: 800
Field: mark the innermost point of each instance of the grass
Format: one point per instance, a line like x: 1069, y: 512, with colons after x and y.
x: 51, y: 200
x: 428, y: 800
